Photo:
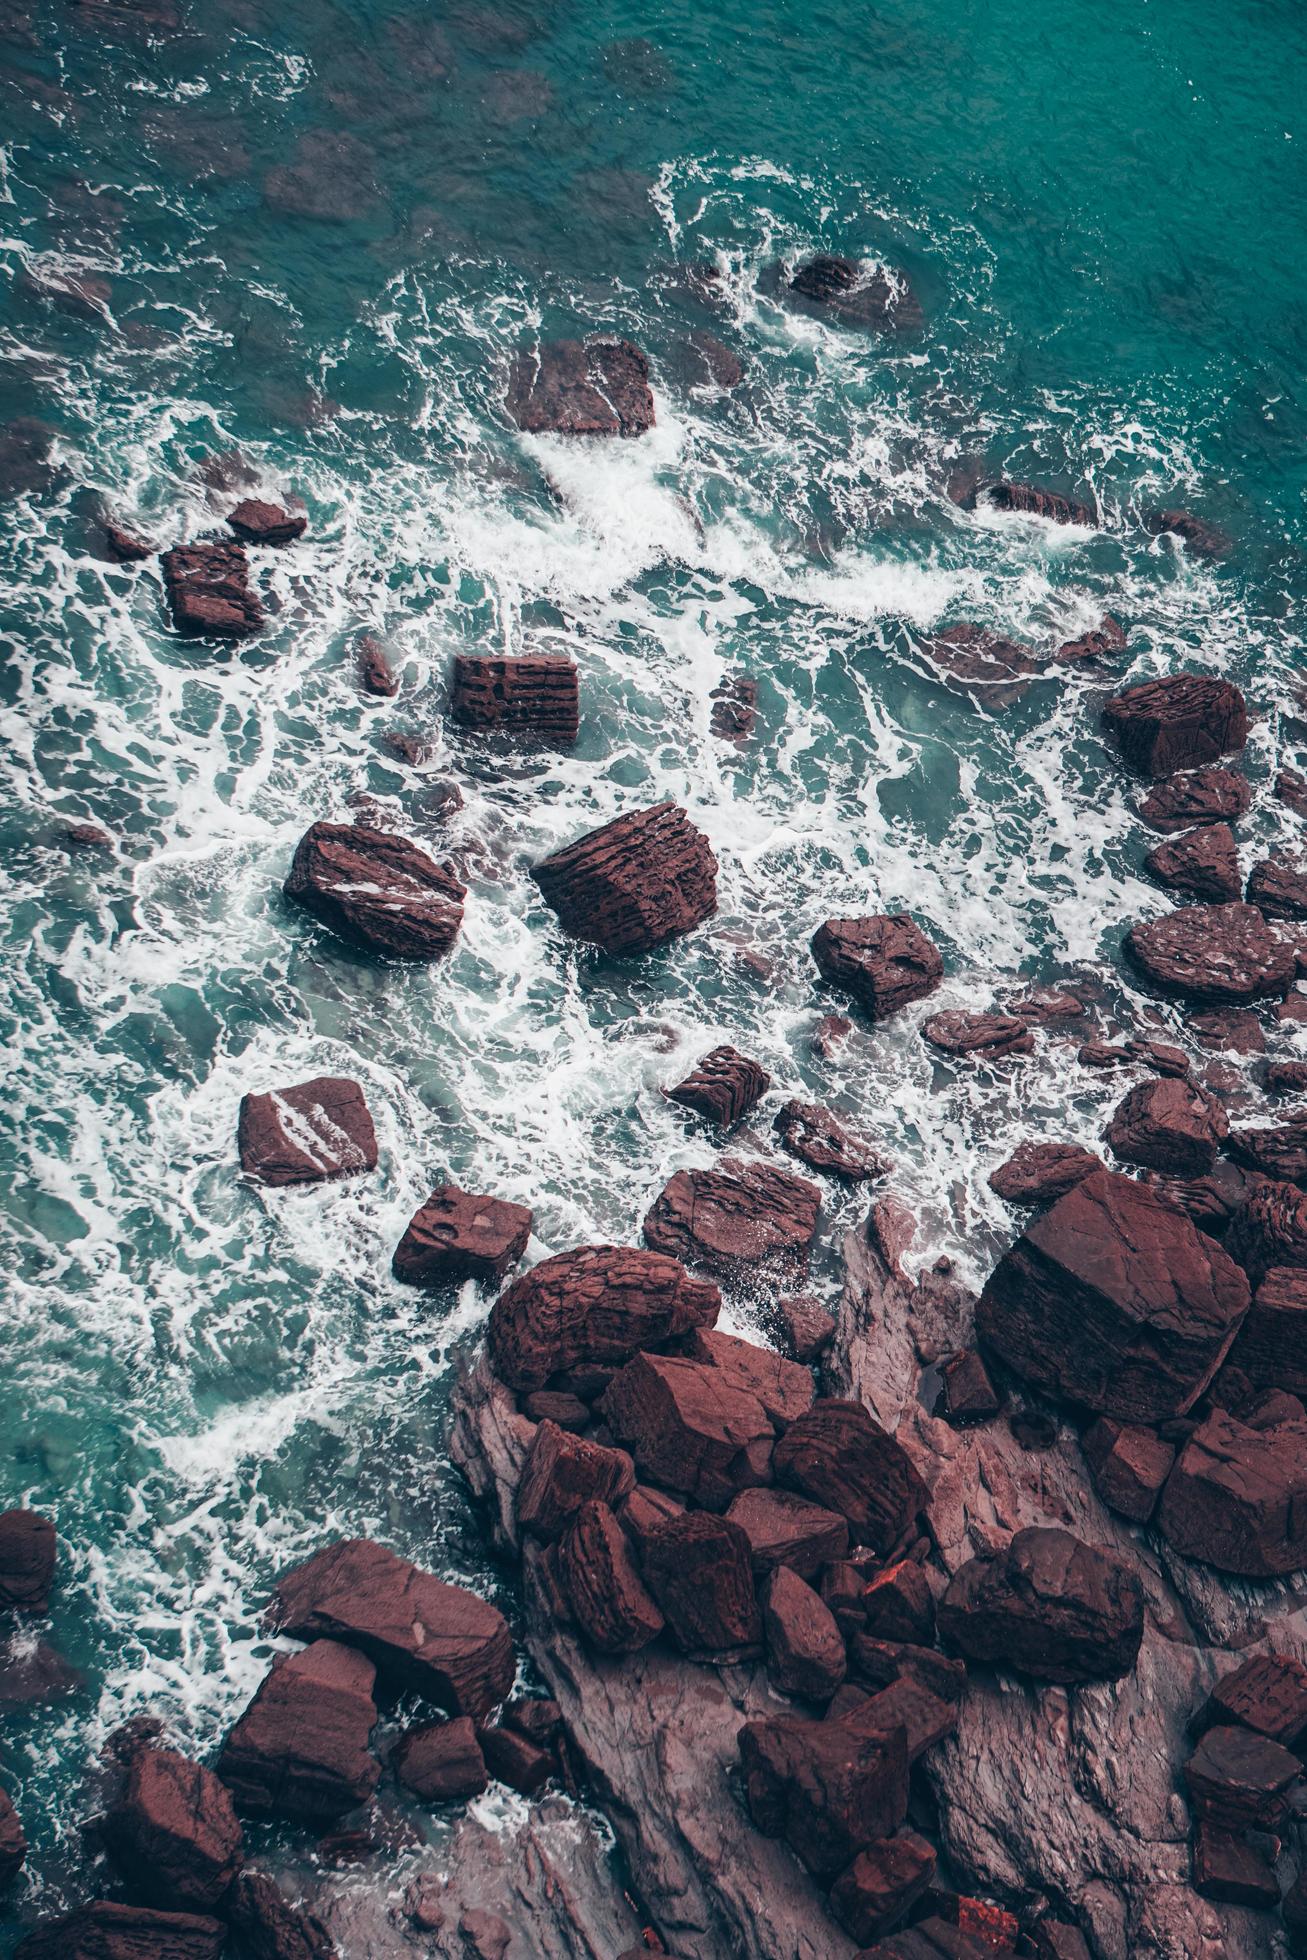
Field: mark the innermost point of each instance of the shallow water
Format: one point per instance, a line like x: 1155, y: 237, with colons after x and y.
x: 1101, y: 209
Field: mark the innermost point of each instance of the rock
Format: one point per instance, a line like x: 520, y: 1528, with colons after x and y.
x: 457, y: 1235
x: 1107, y: 638
x: 783, y: 1529
x: 208, y: 587
x: 885, y: 962
x: 27, y: 1555
x: 441, y: 1762
x: 644, y: 878
x: 712, y: 361
x: 805, y: 1649
x: 1103, y: 1054
x: 1271, y: 1346
x: 125, y: 546
x: 516, y: 1760
x: 1034, y: 502
x: 1285, y: 1078
x: 1203, y: 862
x: 374, y: 670
x: 831, y: 1035
x: 1052, y: 1939
x: 562, y: 1473
x: 301, y: 1747
x: 839, y: 1456
x: 1178, y: 721
x: 742, y: 1214
x: 1169, y: 1126
x: 987, y: 1037
x: 1048, y: 1606
x: 13, y: 1844
x: 806, y: 1327
x: 25, y: 465
x: 1227, y: 1868
x: 33, y: 1673
x: 930, y: 1939
x: 828, y: 1788
x: 699, y: 1570
x: 925, y: 1717
x: 262, y: 523
x: 995, y: 671
x: 734, y: 708
x: 609, y: 1600
x: 536, y: 695
x: 1202, y: 796
x: 1267, y: 1694
x: 1237, y: 1497
x: 173, y: 1836
x: 269, y: 1928
x: 1036, y: 1173
x: 1046, y: 1007
x: 308, y: 1133
x: 595, y: 1304
x: 723, y: 1087
x: 1291, y: 790
x: 1279, y: 1151
x: 78, y: 837
x: 1239, y: 1781
x: 820, y: 1140
x: 1129, y: 1465
x: 1203, y: 539
x: 996, y: 1930
x: 689, y: 1427
x: 784, y: 1389
x: 898, y: 1605
x: 1235, y: 1029
x: 1113, y: 1299
x: 425, y: 1637
x: 857, y: 293
x: 1277, y: 886
x: 82, y: 294
x: 969, y: 1394
x: 567, y: 387
x: 376, y: 890
x: 881, y: 1884
x: 106, y: 1931
x: 1270, y: 1230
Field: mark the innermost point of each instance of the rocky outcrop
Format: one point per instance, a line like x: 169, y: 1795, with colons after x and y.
x: 376, y: 890
x: 308, y: 1133
x: 125, y: 547
x: 885, y: 961
x: 1278, y: 888
x: 743, y: 1215
x: 1214, y: 954
x: 995, y: 671
x: 1270, y: 1229
x: 107, y: 1931
x: 1202, y: 796
x: 1204, y: 539
x: 1036, y: 1173
x: 723, y: 1087
x: 1169, y: 1125
x: 984, y: 1037
x: 857, y: 293
x: 1203, y: 862
x: 575, y: 388
x: 840, y: 1457
x: 257, y: 522
x: 644, y: 878
x: 689, y: 1428
x: 819, y: 1140
x: 1048, y: 1606
x: 174, y: 1836
x: 535, y: 695
x: 597, y: 1304
x: 1031, y: 501
x: 458, y: 1235
x: 1237, y: 1497
x: 27, y: 1557
x: 300, y: 1749
x: 1178, y: 721
x: 209, y: 591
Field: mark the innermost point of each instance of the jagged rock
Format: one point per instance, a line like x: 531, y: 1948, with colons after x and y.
x: 441, y: 1761
x: 1279, y: 1151
x: 734, y: 708
x: 574, y: 388
x: 989, y: 1037
x: 514, y: 1759
x: 689, y: 1427
x: 1129, y: 1465
x: 269, y: 1928
x: 1291, y: 790
x: 458, y: 1235
x: 609, y: 1600
x: 255, y: 522
x: 1035, y: 502
x: 1159, y: 1056
x: 27, y: 1555
x: 1285, y: 1078
x: 858, y: 293
x: 301, y: 1747
x: 125, y: 546
x: 740, y: 1214
x: 1114, y: 1299
x: 969, y: 1394
x: 898, y: 1605
x: 1107, y: 638
x: 1277, y: 886
x: 376, y: 675
x: 425, y: 1637
x: 828, y: 1788
x: 885, y: 961
x: 376, y: 890
x: 535, y: 694
x: 1049, y: 1606
x: 1238, y: 1780
x: 1204, y: 539
x: 1200, y: 796
x: 805, y: 1649
x: 308, y: 1133
x: 997, y: 672
x: 1226, y: 1867
x: 881, y: 1884
x: 820, y: 1140
x: 1179, y: 721
x: 13, y: 1844
x: 562, y: 1473
x: 595, y: 1304
x: 644, y: 1510
x: 1211, y: 1201
x: 1169, y: 1126
x: 1036, y: 1173
x: 783, y: 1529
x: 723, y: 1087
x: 1271, y: 1346
x: 174, y: 1836
x: 1267, y: 1694
x: 839, y: 1456
x: 783, y: 1387
x: 106, y: 1931
x: 1237, y: 1497
x: 699, y: 1570
x: 1270, y: 1230
x: 644, y: 878
x: 209, y: 591
x: 1204, y: 863
x: 806, y: 1327
x: 907, y: 1703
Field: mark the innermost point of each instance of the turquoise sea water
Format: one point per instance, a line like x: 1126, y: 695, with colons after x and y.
x: 1102, y: 210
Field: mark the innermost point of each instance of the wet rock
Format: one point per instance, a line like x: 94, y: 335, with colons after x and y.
x: 1213, y: 953
x: 1226, y: 1867
x: 1129, y: 1465
x: 1234, y: 1029
x: 881, y: 1884
x: 33, y: 1673
x: 841, y: 1458
x: 78, y: 837
x: 125, y: 546
x: 376, y: 675
x: 740, y: 1215
x: 535, y: 695
x: 13, y: 1844
x: 27, y: 1557
x: 25, y: 446
x: 784, y: 1529
x: 997, y: 1930
x: 1202, y: 796
x: 1271, y: 1346
x: 1267, y: 1694
x: 425, y: 1637
x: 1285, y: 1078
x: 594, y: 1304
x: 301, y: 1747
x: 820, y: 1140
x: 699, y: 1569
x: 1195, y: 533
x: 270, y: 1928
x: 330, y: 177
x: 256, y: 522
x: 857, y: 293
x: 644, y: 878
x: 1291, y: 790
x: 1203, y: 862
x: 77, y: 291
x: 995, y: 671
x: 1178, y: 721
x: 610, y: 1602
x: 828, y: 1788
x: 209, y: 591
x: 784, y: 1389
x: 458, y: 1235
x: 1277, y: 1151
x: 562, y: 1473
x: 723, y: 1087
x: 1047, y: 1007
x: 1093, y: 647
x: 969, y: 1394
x: 1049, y: 1606
x: 1270, y: 1230
x: 1036, y: 1173
x: 308, y: 1133
x: 174, y: 1836
x: 106, y: 1931
x: 1237, y: 1497
x: 1034, y: 502
x: 885, y: 962
x: 734, y: 708
x: 689, y: 1427
x: 831, y: 1035
x: 806, y: 1327
x: 441, y: 1762
x: 984, y: 1037
x: 1170, y: 1126
x: 376, y: 890
x: 898, y: 1605
x: 1103, y: 1054
x: 514, y: 1759
x: 555, y: 1405
x: 575, y: 388
x: 1239, y: 1781
x: 712, y: 361
x: 1278, y: 888
x: 805, y: 1649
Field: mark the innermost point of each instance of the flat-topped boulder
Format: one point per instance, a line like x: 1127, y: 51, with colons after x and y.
x: 783, y: 1387
x: 1095, y: 647
x: 1203, y: 863
x: 1214, y: 954
x: 458, y: 1235
x: 376, y: 890
x: 534, y: 695
x: 805, y: 1648
x: 1114, y: 1299
x: 426, y: 1637
x: 689, y: 1427
x: 1169, y: 1125
x: 1048, y: 1606
x: 209, y: 591
x: 561, y: 1473
x: 441, y: 1762
x: 984, y: 1037
x: 600, y: 1576
x: 13, y: 1844
x: 1268, y: 1694
x: 1037, y: 1173
x: 740, y: 1215
x: 1240, y: 1780
x: 828, y: 1788
x: 884, y: 961
x: 174, y: 1835
x: 1270, y: 1229
x: 598, y: 387
x: 596, y: 1304
x: 1277, y: 1150
x: 646, y: 877
x: 258, y: 522
x: 1178, y: 721
x: 308, y: 1133
x: 819, y: 1140
x: 27, y: 1557
x: 1237, y: 1497
x: 839, y: 1456
x: 1198, y: 796
x: 1277, y: 886
x: 699, y: 1569
x: 1271, y: 1346
x: 785, y: 1529
x: 1197, y: 534
x: 857, y: 293
x: 105, y: 1930
x: 301, y: 1748
x: 722, y: 1087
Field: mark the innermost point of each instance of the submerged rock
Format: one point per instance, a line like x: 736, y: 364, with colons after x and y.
x: 1213, y: 953
x: 125, y: 546
x: 376, y: 890
x: 595, y: 1304
x: 858, y: 293
x: 1204, y: 539
x: 644, y: 878
x: 997, y: 672
x: 209, y: 591
x: 536, y: 695
x: 884, y: 961
x: 740, y: 1215
x: 1178, y: 721
x: 1169, y: 1125
x: 458, y: 1235
x: 574, y: 388
x: 1098, y: 645
x: 27, y: 1558
x: 1049, y: 1606
x: 374, y: 669
x: 307, y: 1134
x: 987, y: 1037
x: 1032, y: 501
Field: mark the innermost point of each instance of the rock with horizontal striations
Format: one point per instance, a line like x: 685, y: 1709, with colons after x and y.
x: 907, y: 1703
x: 208, y: 587
x: 828, y: 1788
x: 1267, y: 1694
x: 426, y: 1637
x: 1239, y: 1780
x: 270, y: 1928
x: 700, y: 1571
x: 562, y: 1472
x: 1170, y: 1126
x: 1291, y: 790
x: 301, y: 1747
x: 107, y: 1931
x: 1204, y: 539
x: 995, y: 671
x: 805, y: 1648
x: 517, y: 1760
x: 610, y: 1602
x: 13, y: 1844
x: 557, y: 1405
x: 857, y: 293
x: 1032, y: 501
x: 1199, y: 796
x: 376, y: 676
x: 1278, y: 1151
x: 881, y: 1884
x: 1271, y: 1346
x: 644, y: 878
x: 574, y: 388
x: 1278, y: 887
x: 174, y: 1836
x: 1048, y: 1606
x: 885, y: 961
x: 734, y: 708
x: 723, y: 1087
x: 1237, y: 1497
x: 376, y: 890
x: 898, y: 1604
x: 1270, y: 1230
x: 783, y: 1387
x: 535, y: 695
x: 785, y: 1529
x: 125, y: 546
x: 599, y: 1303
x: 839, y: 1456
x: 1114, y: 1299
x: 255, y: 522
x: 1178, y: 721
x: 740, y: 1214
x: 1285, y: 1078
x: 689, y: 1427
x: 1237, y: 1030
x: 1129, y: 1466
x: 987, y: 1037
x: 820, y: 1140
x: 308, y: 1133
x: 27, y: 1555
x: 1227, y: 1868
x: 1036, y: 1173
x: 441, y: 1762
x: 1204, y: 863
x: 1099, y: 644
x: 458, y: 1235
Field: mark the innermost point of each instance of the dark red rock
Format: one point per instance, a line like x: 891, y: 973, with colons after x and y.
x: 699, y: 1569
x: 561, y: 1473
x: 1033, y: 1430
x: 571, y: 388
x: 969, y: 1394
x: 598, y: 1303
x: 1271, y: 1346
x: 689, y: 1427
x: 1267, y: 1694
x: 1211, y: 1201
x: 996, y: 1930
x: 986, y: 1037
x: 1046, y: 1007
x: 740, y: 1214
x: 173, y: 1835
x: 1213, y: 953
x: 784, y: 1529
x: 77, y: 837
x: 1053, y: 1939
x: 1291, y: 790
x: 1159, y: 1056
x: 1034, y: 502
x: 458, y: 1235
x: 1048, y: 1606
x: 516, y: 1760
x: 1239, y: 1780
x: 536, y: 695
x: 1114, y: 1299
x: 1237, y: 1497
x: 13, y: 1844
x: 1107, y: 638
x: 1227, y: 1868
x: 107, y: 1931
x: 301, y: 1747
x: 807, y: 1328
x: 784, y: 1389
x: 644, y: 878
x: 552, y: 1405
x: 839, y: 1456
x: 805, y: 1648
x: 881, y: 1884
x: 925, y: 1717
x: 1286, y: 1078
x: 644, y: 1510
x: 609, y: 1601
x: 376, y: 890
x: 255, y: 522
x: 1270, y: 1230
x: 1200, y: 796
x: 831, y: 1035
x: 995, y: 671
x: 828, y: 1788
x: 308, y: 1133
x: 1203, y: 863
x: 125, y: 546
x: 1278, y: 1151
x: 1205, y: 540
x: 375, y: 673
x: 898, y: 1604
x: 1178, y: 721
x: 208, y: 587
x: 271, y: 1929
x: 32, y: 1674
x: 885, y: 962
x: 820, y: 1140
x: 857, y: 293
x: 1103, y: 1055
x: 1036, y: 1173
x: 27, y: 1555
x: 723, y: 1087
x: 1237, y: 1030
x: 425, y: 1637
x: 734, y: 708
x: 1129, y: 1465
x: 441, y: 1762
x: 1278, y: 888
x: 883, y: 1662
x: 1169, y: 1126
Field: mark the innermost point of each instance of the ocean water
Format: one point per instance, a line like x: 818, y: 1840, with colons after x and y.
x: 1101, y: 209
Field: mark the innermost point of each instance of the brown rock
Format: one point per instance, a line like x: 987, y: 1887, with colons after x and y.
x: 1099, y: 644
x: 598, y: 1303
x: 308, y: 1133
x: 1267, y: 1694
x: 689, y: 1427
x: 1129, y: 1466
x: 27, y: 1555
x: 925, y: 1717
x: 1278, y: 888
x: 173, y: 1835
x: 563, y: 1472
x: 723, y: 1087
x: 969, y: 1394
x: 554, y: 1405
x: 1239, y: 1781
x: 1201, y: 796
x: 995, y: 671
x: 783, y: 1529
x: 741, y: 1214
x: 13, y: 1844
x: 609, y: 1600
x: 783, y: 1387
x: 1047, y: 1606
x: 1035, y: 502
x: 1291, y: 790
x: 106, y: 1931
x: 301, y: 1747
x: 839, y: 1456
x: 881, y: 1884
x: 1204, y: 863
x: 644, y: 878
x: 699, y: 1570
x: 1279, y: 1151
x: 270, y: 1929
x: 988, y: 1037
x: 857, y: 293
x: 883, y: 1662
x: 930, y: 1939
x: 807, y: 1328
x: 571, y: 388
x: 376, y: 675
x: 1237, y: 1497
x: 1285, y: 1078
x: 885, y: 962
x: 1036, y: 1173
x: 1270, y: 1230
x: 805, y: 1649
x: 831, y: 1035
x: 457, y: 1235
x: 1235, y: 1029
x: 1179, y: 721
x: 828, y: 1788
x: 208, y: 587
x: 734, y: 708
x: 898, y: 1604
x: 1103, y: 1054
x: 1226, y: 1867
x: 125, y: 546
x: 537, y: 695
x: 820, y: 1140
x: 1052, y: 1939
x: 516, y: 1760
x: 1170, y: 1126
x: 262, y: 523
x: 376, y: 890
x: 441, y: 1762
x: 1204, y: 539
x: 1271, y: 1346
x: 712, y: 361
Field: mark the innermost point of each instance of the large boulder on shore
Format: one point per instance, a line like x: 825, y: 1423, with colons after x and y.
x: 301, y: 1748
x: 884, y: 961
x: 1114, y: 1299
x: 1036, y: 1172
x: 105, y: 1930
x: 534, y: 695
x: 839, y: 1456
x: 209, y: 591
x: 174, y: 1835
x: 597, y: 1304
x: 1171, y: 1125
x: 458, y: 1235
x: 27, y: 1555
x: 1178, y: 721
x: 376, y: 890
x: 646, y: 877
x: 307, y: 1133
x: 581, y: 388
x: 689, y: 1427
x: 828, y: 1788
x: 1048, y: 1606
x: 737, y: 1215
x: 1219, y: 954
x: 1237, y: 1497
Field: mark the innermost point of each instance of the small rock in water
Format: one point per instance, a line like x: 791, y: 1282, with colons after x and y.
x: 712, y: 362
x: 1177, y: 722
x: 858, y: 293
x: 261, y: 523
x: 1204, y: 862
x: 1032, y: 501
x: 820, y: 1140
x: 734, y: 708
x: 125, y: 546
x: 457, y: 1235
x: 723, y: 1087
x: 644, y: 878
x: 303, y: 1135
x: 374, y: 669
x: 209, y: 590
x: 831, y: 1035
x: 1036, y: 1173
x: 987, y: 1037
x: 885, y: 961
x: 1097, y: 645
x: 595, y: 388
x: 536, y: 695
x: 376, y: 890
x: 1205, y: 540
x: 1170, y: 1126
x: 1278, y: 888
x: 1199, y: 796
x: 27, y: 1559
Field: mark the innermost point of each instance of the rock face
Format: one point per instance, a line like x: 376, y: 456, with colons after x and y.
x: 270, y: 1928
x: 785, y: 1529
x: 1270, y: 1230
x: 1237, y: 1497
x: 1214, y: 954
x: 1169, y: 1125
x: 1113, y: 1299
x: 1203, y: 862
x: 424, y: 1636
x: 987, y: 1037
x: 27, y: 1555
x: 1203, y: 539
x: 575, y: 388
x: 13, y: 1844
x: 885, y: 962
x: 376, y: 890
x: 1278, y: 888
x: 255, y: 522
x: 699, y: 1570
x: 857, y: 293
x: 841, y: 1458
x: 105, y: 1931
x: 301, y: 1747
x: 723, y: 1087
x: 1204, y: 796
x: 441, y: 1762
x: 644, y: 878
x: 597, y: 1304
x: 748, y: 1215
x: 1178, y: 721
x: 689, y: 1428
x: 609, y: 1600
x: 1034, y: 502
x: 1048, y: 1606
x: 208, y: 587
x: 1271, y: 1346
x: 828, y: 1788
x: 535, y: 695
x: 822, y: 1142
x: 563, y: 1472
x: 456, y: 1236
x: 174, y: 1836
x: 1036, y: 1173
x: 306, y: 1134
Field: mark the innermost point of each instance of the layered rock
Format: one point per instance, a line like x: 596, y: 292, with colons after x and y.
x: 1204, y: 863
x: 699, y: 1570
x: 581, y: 388
x: 1204, y: 539
x: 608, y: 1599
x: 258, y: 522
x: 885, y: 961
x: 270, y: 1928
x: 1169, y: 1125
x: 1267, y: 1694
x: 1036, y: 1173
x: 882, y: 1882
x: 597, y: 1304
x: 734, y: 708
x: 458, y: 1235
x: 1213, y: 953
x: 107, y: 1931
x: 841, y: 1458
x: 785, y: 1529
x: 27, y: 1556
x: 1237, y: 1497
x: 857, y: 293
x: 1178, y: 721
x: 1094, y: 647
x: 644, y: 878
x: 1049, y: 1606
x: 301, y: 1748
x: 1129, y: 1465
x: 1271, y: 1346
x: 689, y: 1427
x: 1032, y: 501
x: 1277, y: 1151
x: 376, y: 890
x: 741, y: 1215
x: 209, y: 591
x: 1240, y: 1780
x: 1270, y: 1229
x: 1201, y: 796
x: 173, y: 1835
x: 308, y: 1133
x: 1277, y: 886
x: 805, y: 1649
x: 564, y: 1472
x: 376, y: 676
x: 723, y: 1087
x: 784, y: 1389
x: 441, y: 1762
x: 536, y: 695
x: 987, y: 1037
x: 828, y: 1788
x: 819, y: 1140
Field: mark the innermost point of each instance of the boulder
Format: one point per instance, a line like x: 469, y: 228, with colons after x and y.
x: 689, y: 1427
x: 723, y: 1087
x: 174, y: 1836
x: 784, y: 1529
x: 1032, y: 501
x: 598, y: 387
x: 881, y: 1884
x: 609, y: 1601
x: 830, y: 1036
x: 1227, y: 1868
x: 1047, y: 1606
x: 1114, y: 1299
x: 1271, y: 1346
x: 1285, y: 1078
x: 806, y: 1327
x: 1237, y: 1030
x: 441, y: 1762
x: 556, y: 1405
x: 13, y: 1844
x: 734, y: 708
x: 1278, y: 1151
x: 644, y: 878
x: 783, y: 1387
x: 710, y: 361
x: 27, y: 1555
x: 562, y: 1472
x: 699, y: 1569
x: 885, y: 1662
x: 1205, y: 540
x: 644, y: 1510
x: 458, y: 1235
x: 125, y: 546
x: 1239, y: 1780
x: 535, y: 695
x: 376, y: 676
x: 518, y: 1761
x: 857, y: 293
x: 987, y: 1037
x: 301, y: 1747
x: 820, y: 1140
x: 1129, y: 1465
x: 1277, y: 886
x: 209, y: 591
x: 1204, y: 863
x: 1091, y: 648
x: 828, y: 1788
x: 269, y: 1928
x: 1291, y: 789
x: 931, y: 1939
x: 255, y: 522
x: 898, y: 1604
x: 995, y: 671
x: 308, y: 1133
x: 425, y: 1637
x: 1267, y: 1694
x: 907, y: 1703
x: 1237, y: 1497
x: 1053, y: 1939
x: 1199, y: 796
x: 1178, y: 721
x: 1270, y: 1230
x: 376, y: 890
x: 107, y: 1931
x: 840, y: 1457
x: 740, y: 1214
x: 969, y: 1394
x: 1036, y: 1173
x: 1170, y: 1126
x: 598, y: 1303
x: 885, y: 961
x: 805, y: 1649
